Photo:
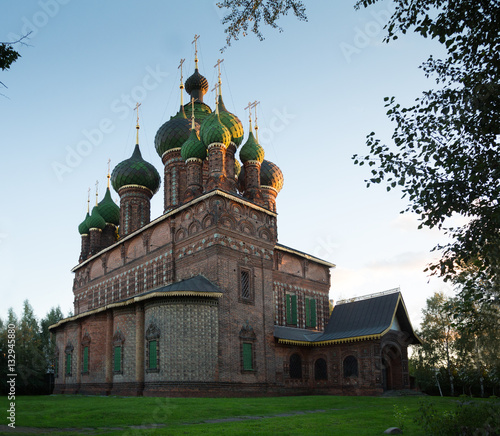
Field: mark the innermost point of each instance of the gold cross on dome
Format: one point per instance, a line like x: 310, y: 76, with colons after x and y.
x: 88, y: 201
x: 217, y: 65
x: 137, y: 109
x: 195, y: 42
x: 96, y: 191
x: 249, y: 107
x: 254, y: 105
x: 180, y: 67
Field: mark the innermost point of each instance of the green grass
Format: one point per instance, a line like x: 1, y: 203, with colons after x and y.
x: 116, y: 415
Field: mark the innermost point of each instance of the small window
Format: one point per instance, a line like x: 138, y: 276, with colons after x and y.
x: 291, y: 309
x: 295, y: 366
x: 68, y: 364
x: 247, y: 351
x: 153, y: 355
x: 311, y: 312
x: 245, y: 285
x: 85, y: 360
x: 320, y: 371
x: 350, y: 366
x: 117, y: 362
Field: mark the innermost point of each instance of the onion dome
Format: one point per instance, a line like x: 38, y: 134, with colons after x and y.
x: 196, y: 82
x: 95, y: 220
x: 214, y: 131
x: 237, y: 168
x: 193, y: 147
x: 173, y: 133
x: 252, y: 150
x: 232, y: 122
x: 271, y: 175
x: 83, y: 228
x: 135, y: 171
x: 108, y: 209
x: 201, y: 110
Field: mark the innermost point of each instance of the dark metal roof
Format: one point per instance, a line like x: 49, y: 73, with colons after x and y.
x: 295, y: 334
x: 196, y: 284
x: 367, y: 318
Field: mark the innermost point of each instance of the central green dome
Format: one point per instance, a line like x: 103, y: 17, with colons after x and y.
x: 213, y: 131
x: 135, y: 171
x: 232, y: 122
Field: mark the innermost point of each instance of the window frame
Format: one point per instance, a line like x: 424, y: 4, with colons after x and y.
x: 291, y: 309
x: 250, y: 299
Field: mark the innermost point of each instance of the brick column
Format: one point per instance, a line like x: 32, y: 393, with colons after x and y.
x: 194, y: 178
x: 108, y: 357
x: 216, y: 166
x: 175, y: 177
x: 139, y: 348
x: 135, y: 209
x: 230, y: 173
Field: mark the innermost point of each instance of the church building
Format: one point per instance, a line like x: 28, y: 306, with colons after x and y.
x: 203, y: 300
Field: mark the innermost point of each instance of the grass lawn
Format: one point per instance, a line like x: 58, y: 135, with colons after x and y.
x: 310, y: 415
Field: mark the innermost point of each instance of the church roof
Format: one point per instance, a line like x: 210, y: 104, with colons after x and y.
x: 368, y: 317
x: 197, y: 286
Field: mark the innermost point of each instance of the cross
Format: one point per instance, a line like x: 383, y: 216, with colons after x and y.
x: 215, y: 88
x: 137, y: 109
x: 219, y: 61
x: 249, y: 107
x: 109, y: 170
x: 180, y: 67
x: 196, y: 48
x: 88, y: 201
x: 192, y: 112
x: 96, y: 191
x: 254, y: 105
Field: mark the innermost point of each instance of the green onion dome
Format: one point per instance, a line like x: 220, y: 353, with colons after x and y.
x: 173, y: 133
x: 212, y: 130
x: 193, y: 147
x: 252, y: 150
x: 108, y: 209
x: 237, y: 168
x: 83, y: 228
x: 271, y: 175
x: 201, y: 110
x: 232, y: 122
x: 135, y: 171
x: 196, y: 82
x: 95, y: 220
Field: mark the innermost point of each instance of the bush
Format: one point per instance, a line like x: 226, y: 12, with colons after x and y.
x: 468, y: 418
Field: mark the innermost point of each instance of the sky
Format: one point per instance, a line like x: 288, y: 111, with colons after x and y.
x: 68, y: 108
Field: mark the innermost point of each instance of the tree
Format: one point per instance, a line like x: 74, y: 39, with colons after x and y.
x: 438, y: 336
x: 446, y: 146
x: 244, y: 12
x: 8, y: 55
x: 48, y: 346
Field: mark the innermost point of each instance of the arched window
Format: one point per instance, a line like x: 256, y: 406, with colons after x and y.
x: 320, y: 372
x: 295, y: 366
x: 350, y: 366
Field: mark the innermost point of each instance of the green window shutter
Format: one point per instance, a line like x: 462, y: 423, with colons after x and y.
x: 313, y: 312
x: 247, y: 357
x: 308, y: 312
x: 288, y: 309
x: 86, y: 359
x: 294, y: 309
x: 68, y: 364
x: 153, y: 354
x: 118, y: 359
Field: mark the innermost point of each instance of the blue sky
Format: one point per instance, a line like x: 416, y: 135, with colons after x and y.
x: 321, y: 84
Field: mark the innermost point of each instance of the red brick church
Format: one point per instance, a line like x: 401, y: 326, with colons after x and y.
x: 203, y: 300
